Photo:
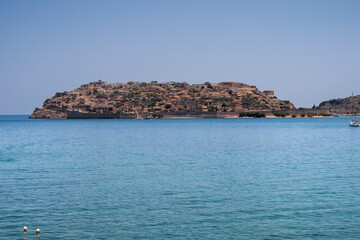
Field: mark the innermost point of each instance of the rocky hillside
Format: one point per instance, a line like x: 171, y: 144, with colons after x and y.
x: 153, y: 98
x: 349, y: 105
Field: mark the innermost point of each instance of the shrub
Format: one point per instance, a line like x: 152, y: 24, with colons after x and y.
x: 208, y: 85
x: 333, y: 102
x: 281, y: 114
x: 167, y: 106
x: 131, y: 94
x: 152, y: 101
x: 101, y: 95
x: 302, y: 115
x: 130, y: 82
x: 158, y: 115
x: 293, y: 116
x: 117, y: 105
x: 310, y: 115
x: 223, y: 99
x: 212, y: 109
x: 285, y: 107
x: 58, y: 94
x: 248, y: 100
x: 91, y: 109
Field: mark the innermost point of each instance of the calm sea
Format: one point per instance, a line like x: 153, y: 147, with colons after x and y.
x: 180, y: 179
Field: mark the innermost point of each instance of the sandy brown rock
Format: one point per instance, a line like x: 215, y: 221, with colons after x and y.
x: 155, y: 98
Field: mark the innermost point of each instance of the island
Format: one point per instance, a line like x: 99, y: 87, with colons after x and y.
x: 143, y: 100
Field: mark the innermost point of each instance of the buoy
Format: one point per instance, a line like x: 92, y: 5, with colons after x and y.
x: 37, y: 231
x: 25, y: 228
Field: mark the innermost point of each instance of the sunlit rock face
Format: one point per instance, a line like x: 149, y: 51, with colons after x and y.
x: 139, y: 99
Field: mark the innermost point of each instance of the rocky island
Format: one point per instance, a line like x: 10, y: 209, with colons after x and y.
x: 163, y: 100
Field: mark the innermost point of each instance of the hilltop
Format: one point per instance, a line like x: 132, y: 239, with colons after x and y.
x: 349, y: 105
x: 141, y: 99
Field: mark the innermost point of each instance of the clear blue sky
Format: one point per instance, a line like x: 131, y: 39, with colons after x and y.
x: 307, y: 51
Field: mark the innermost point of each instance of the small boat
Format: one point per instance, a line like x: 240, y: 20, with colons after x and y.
x: 354, y: 123
x: 149, y: 118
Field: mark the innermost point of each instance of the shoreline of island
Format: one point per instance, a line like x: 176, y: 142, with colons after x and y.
x: 170, y: 100
x: 303, y: 113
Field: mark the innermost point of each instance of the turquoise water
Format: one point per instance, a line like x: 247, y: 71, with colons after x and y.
x: 179, y: 179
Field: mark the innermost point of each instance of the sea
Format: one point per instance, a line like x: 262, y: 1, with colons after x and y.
x: 291, y: 178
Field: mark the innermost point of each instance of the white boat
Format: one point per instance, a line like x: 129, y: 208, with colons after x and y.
x: 354, y: 123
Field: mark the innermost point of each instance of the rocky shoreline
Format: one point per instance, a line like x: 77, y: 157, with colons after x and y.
x: 342, y: 106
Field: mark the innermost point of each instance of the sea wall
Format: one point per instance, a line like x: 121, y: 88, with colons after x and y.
x: 201, y: 115
x: 299, y: 111
x: 79, y: 115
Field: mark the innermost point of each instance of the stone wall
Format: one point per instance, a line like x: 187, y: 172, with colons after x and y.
x: 269, y: 92
x: 78, y: 115
x: 200, y: 115
x: 297, y: 111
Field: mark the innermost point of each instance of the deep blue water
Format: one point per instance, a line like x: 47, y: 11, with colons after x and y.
x: 180, y: 179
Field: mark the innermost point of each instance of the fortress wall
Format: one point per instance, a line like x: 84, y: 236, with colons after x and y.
x: 297, y: 111
x: 78, y: 115
x: 269, y: 92
x: 309, y: 110
x: 201, y: 115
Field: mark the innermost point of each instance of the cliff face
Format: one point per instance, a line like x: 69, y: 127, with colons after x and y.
x: 349, y: 105
x: 153, y: 99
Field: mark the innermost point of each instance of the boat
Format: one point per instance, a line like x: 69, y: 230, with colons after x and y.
x: 148, y: 118
x: 354, y: 123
